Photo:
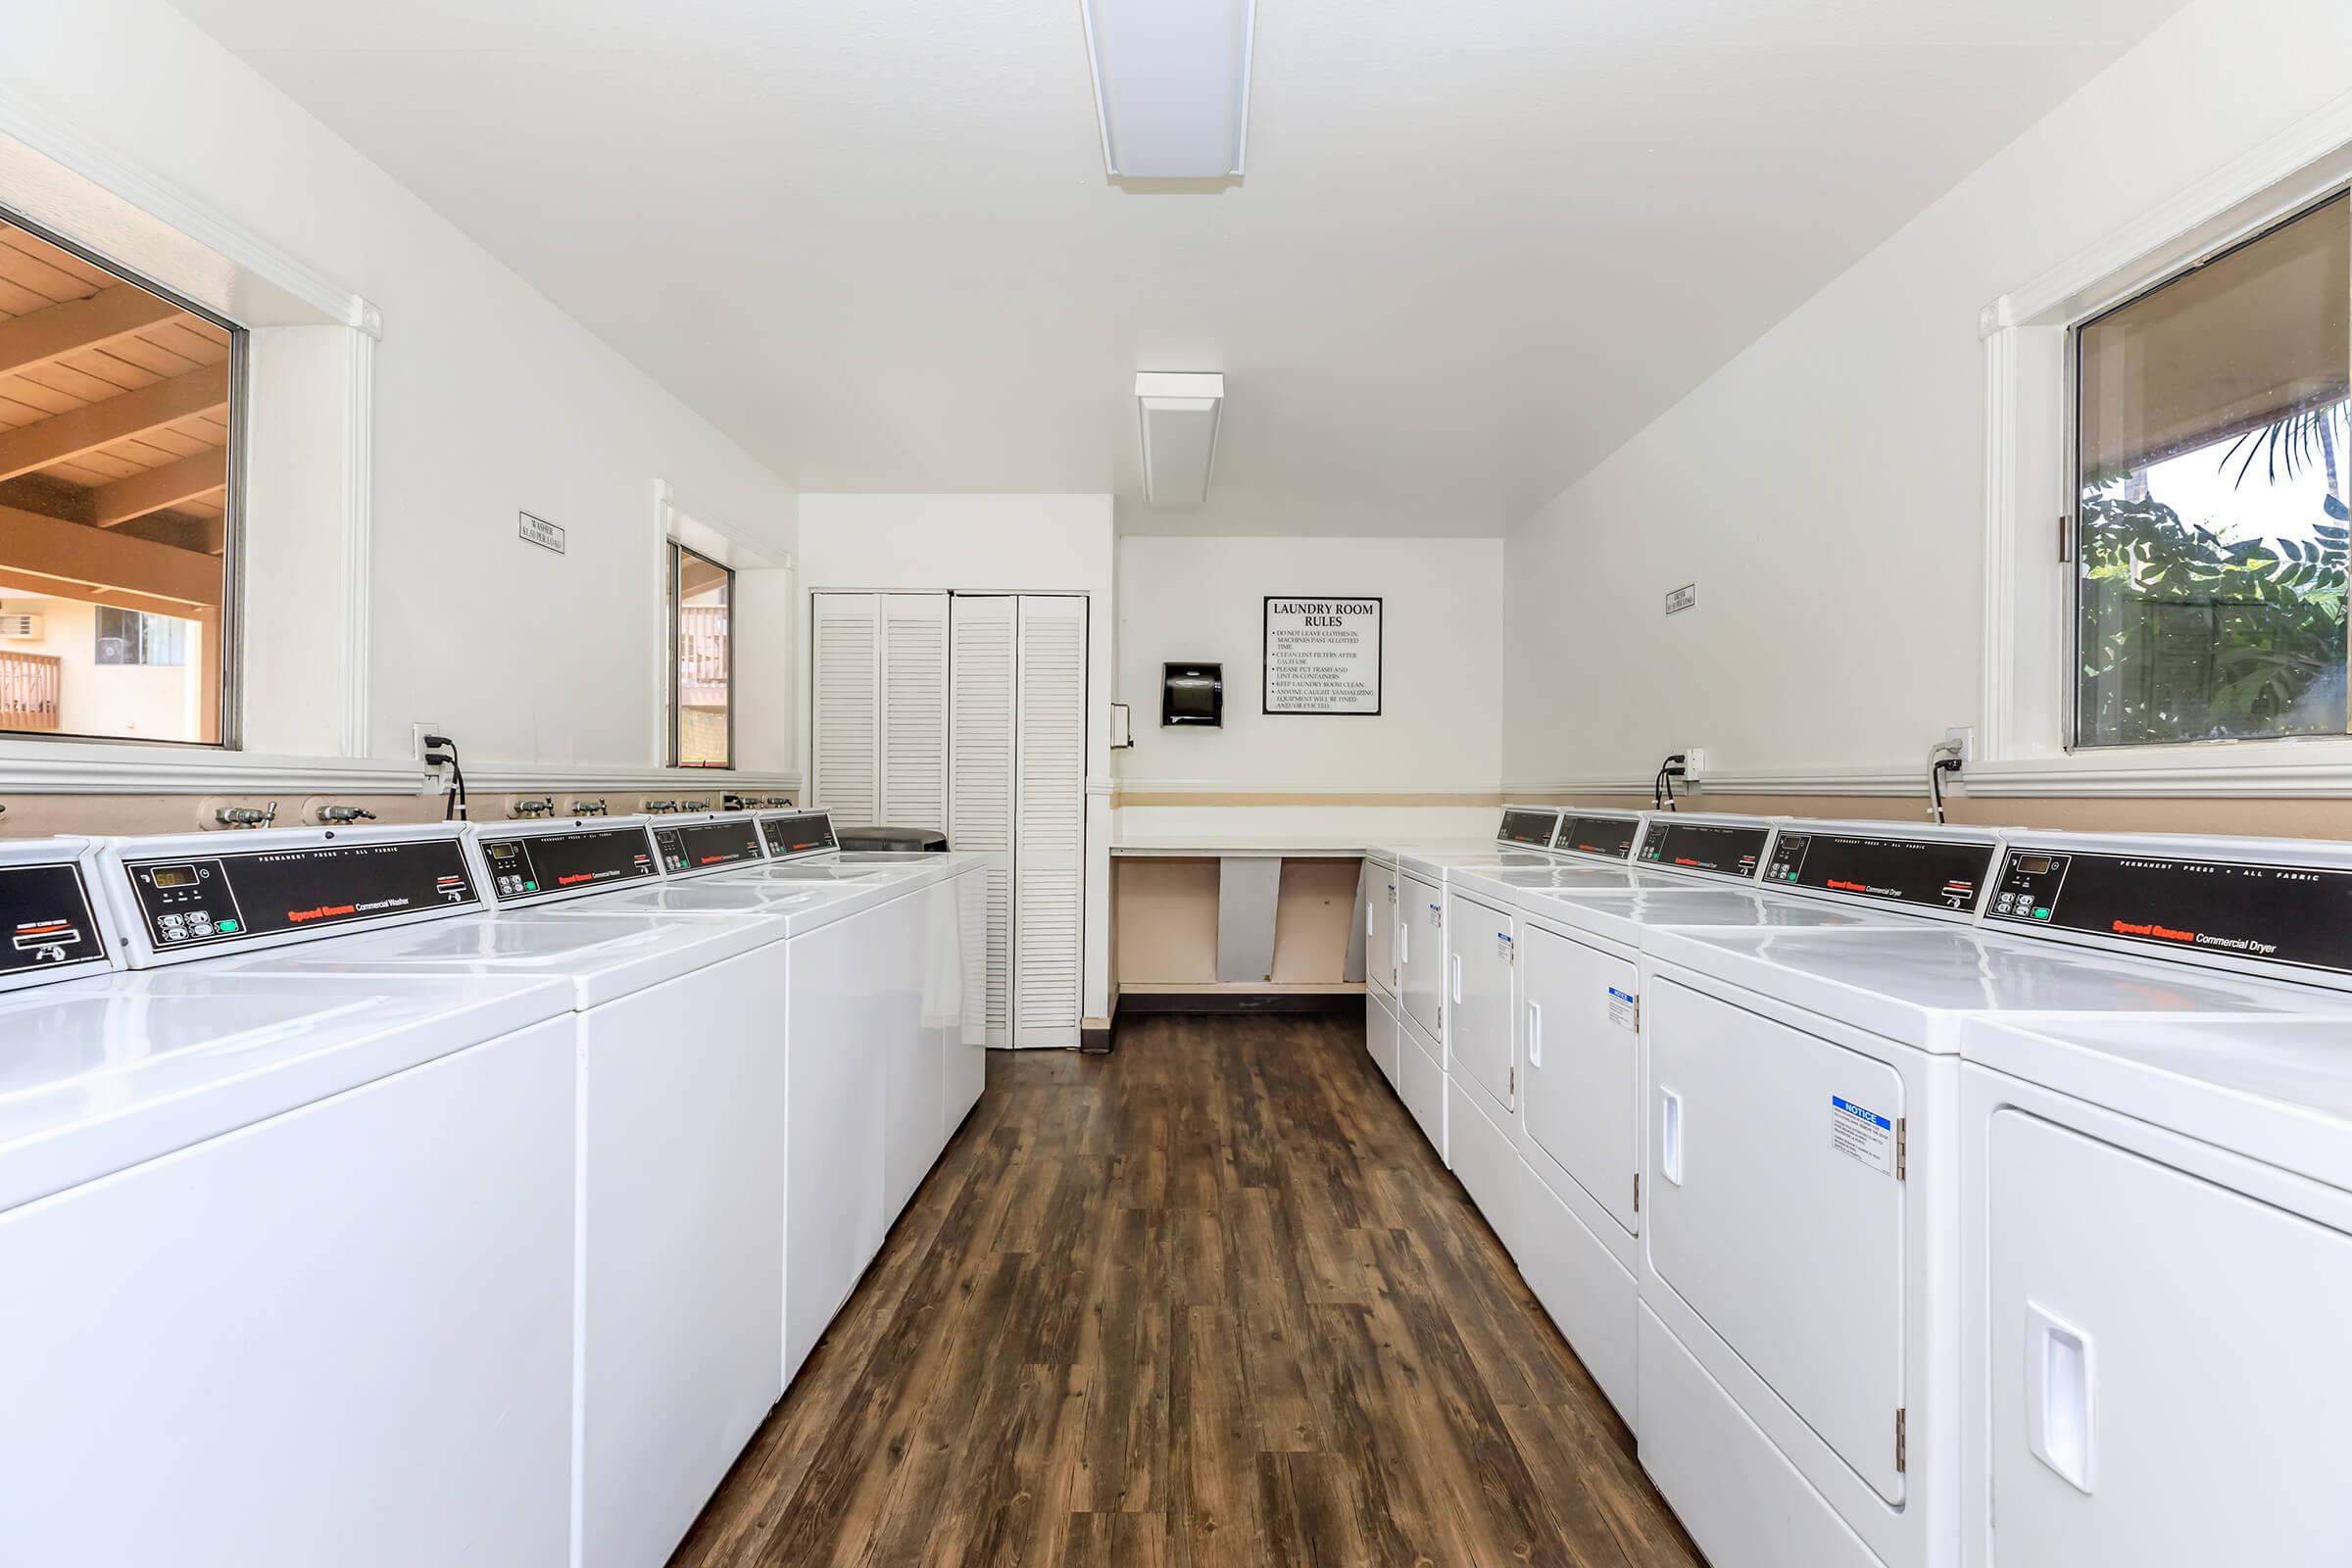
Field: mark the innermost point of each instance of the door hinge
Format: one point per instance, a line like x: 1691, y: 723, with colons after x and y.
x: 2066, y: 537
x: 1903, y: 1147
x: 1902, y: 1441
x: 1637, y: 1192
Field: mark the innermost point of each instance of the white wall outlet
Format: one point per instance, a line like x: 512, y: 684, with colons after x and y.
x: 1695, y: 764
x: 1964, y: 736
x: 417, y: 734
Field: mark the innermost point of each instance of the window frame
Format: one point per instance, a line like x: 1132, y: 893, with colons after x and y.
x: 230, y: 735
x: 2026, y: 745
x: 677, y: 597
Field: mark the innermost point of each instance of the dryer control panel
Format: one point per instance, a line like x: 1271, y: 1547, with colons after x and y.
x: 529, y: 865
x: 1523, y: 826
x: 199, y: 901
x: 685, y: 848
x: 1931, y: 873
x: 800, y: 833
x: 48, y: 927
x: 2188, y: 907
x: 1722, y: 848
x: 1611, y: 837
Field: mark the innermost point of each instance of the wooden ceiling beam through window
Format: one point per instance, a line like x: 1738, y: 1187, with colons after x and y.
x: 200, y: 474
x: 67, y: 435
x: 71, y: 561
x: 106, y: 317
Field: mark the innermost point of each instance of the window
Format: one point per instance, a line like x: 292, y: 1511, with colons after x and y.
x: 700, y: 599
x: 2213, y: 462
x: 134, y: 637
x: 117, y: 403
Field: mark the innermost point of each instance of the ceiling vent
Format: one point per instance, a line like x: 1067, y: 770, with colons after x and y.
x: 1179, y: 413
x: 1171, y: 86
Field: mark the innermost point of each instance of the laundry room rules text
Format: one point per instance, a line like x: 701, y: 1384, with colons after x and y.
x: 1322, y: 656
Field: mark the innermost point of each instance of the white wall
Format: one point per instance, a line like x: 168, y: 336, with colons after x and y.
x: 487, y: 398
x: 1825, y: 488
x: 1439, y: 728
x: 991, y: 544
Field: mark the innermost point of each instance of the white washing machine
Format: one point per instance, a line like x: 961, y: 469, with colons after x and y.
x: 884, y: 1043
x: 2157, y: 1228
x: 1799, y: 1339
x: 677, y: 1048
x: 1548, y: 1117
x: 290, y: 1258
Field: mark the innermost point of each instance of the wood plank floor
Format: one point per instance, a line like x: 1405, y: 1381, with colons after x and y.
x: 1211, y: 1299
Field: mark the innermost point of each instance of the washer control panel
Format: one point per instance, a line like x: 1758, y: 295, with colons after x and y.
x: 685, y: 848
x: 1931, y: 873
x: 530, y: 866
x: 1721, y: 849
x: 1532, y: 828
x: 2298, y: 916
x: 48, y: 924
x: 1611, y: 837
x: 191, y: 900
x: 798, y: 833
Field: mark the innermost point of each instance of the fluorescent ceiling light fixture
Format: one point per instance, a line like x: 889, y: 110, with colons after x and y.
x: 1171, y: 85
x: 1179, y: 416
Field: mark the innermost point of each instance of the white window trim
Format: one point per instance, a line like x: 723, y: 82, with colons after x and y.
x: 61, y: 178
x: 2023, y: 742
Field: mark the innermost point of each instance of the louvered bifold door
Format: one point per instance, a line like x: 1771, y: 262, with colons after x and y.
x: 1050, y: 821
x: 914, y: 712
x: 980, y: 795
x: 845, y: 731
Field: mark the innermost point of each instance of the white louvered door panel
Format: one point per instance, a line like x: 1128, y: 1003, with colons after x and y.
x: 1050, y: 826
x: 980, y: 813
x: 845, y: 735
x: 914, y: 712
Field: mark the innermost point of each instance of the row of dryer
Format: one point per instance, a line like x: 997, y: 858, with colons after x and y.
x: 447, y: 1194
x: 1918, y: 1195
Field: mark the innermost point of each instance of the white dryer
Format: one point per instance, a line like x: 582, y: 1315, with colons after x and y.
x: 2157, y: 1227
x: 677, y: 1051
x: 878, y: 1022
x: 1799, y: 1342
x: 292, y: 1256
x: 1566, y: 1008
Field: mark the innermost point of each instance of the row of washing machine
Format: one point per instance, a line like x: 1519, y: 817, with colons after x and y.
x: 447, y: 1194
x: 1919, y: 1196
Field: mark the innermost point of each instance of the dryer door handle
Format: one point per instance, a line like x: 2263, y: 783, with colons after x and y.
x: 1535, y: 1034
x: 1457, y: 979
x: 1670, y: 1136
x: 2058, y: 1396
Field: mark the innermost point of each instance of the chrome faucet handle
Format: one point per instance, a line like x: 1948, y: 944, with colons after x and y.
x: 694, y: 805
x: 538, y: 807
x: 246, y: 816
x: 660, y: 808
x: 345, y: 814
x: 591, y: 808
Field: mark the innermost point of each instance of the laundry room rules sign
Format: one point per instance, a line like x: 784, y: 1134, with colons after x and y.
x: 1322, y: 656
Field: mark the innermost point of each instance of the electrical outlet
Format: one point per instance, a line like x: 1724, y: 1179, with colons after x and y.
x: 1964, y: 736
x: 417, y: 734
x: 1695, y: 764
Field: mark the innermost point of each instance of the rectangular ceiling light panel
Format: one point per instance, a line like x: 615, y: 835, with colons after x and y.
x: 1171, y: 85
x: 1179, y: 413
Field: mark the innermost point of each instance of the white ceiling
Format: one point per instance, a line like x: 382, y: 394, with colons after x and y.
x: 1481, y: 241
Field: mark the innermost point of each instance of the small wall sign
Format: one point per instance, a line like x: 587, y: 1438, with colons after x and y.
x: 1681, y: 599
x: 539, y: 531
x: 1322, y: 656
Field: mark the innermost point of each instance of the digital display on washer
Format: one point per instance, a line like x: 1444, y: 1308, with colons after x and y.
x: 1612, y: 836
x: 193, y: 900
x: 1936, y: 873
x: 1722, y: 848
x: 799, y: 834
x: 45, y: 919
x: 533, y: 864
x: 1528, y: 828
x: 700, y: 846
x: 2293, y: 914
